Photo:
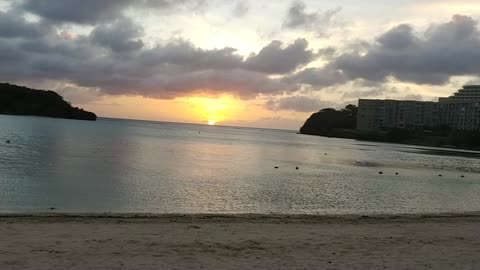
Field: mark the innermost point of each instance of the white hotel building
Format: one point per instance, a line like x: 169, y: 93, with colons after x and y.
x: 459, y: 111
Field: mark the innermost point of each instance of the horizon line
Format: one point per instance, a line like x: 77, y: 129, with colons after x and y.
x: 191, y: 123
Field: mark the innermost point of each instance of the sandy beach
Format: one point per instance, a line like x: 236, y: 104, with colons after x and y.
x: 240, y: 242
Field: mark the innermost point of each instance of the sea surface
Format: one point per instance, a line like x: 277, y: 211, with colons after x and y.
x: 125, y: 166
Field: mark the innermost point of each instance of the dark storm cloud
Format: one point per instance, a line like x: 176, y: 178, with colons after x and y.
x: 274, y: 59
x: 318, y: 77
x: 297, y: 103
x: 121, y: 36
x: 445, y: 50
x: 93, y: 11
x: 114, y: 59
x: 185, y: 55
x: 177, y: 68
x: 13, y: 25
x: 83, y: 12
x: 299, y: 18
x: 171, y: 84
x: 399, y: 38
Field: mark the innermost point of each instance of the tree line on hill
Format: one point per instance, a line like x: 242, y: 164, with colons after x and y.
x: 342, y: 123
x: 17, y: 100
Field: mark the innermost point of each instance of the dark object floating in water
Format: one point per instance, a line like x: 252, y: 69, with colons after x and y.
x: 463, y: 176
x: 380, y: 172
x: 7, y: 141
x: 396, y: 173
x: 52, y: 208
x: 17, y: 100
x: 276, y: 167
x: 296, y: 168
x: 440, y: 175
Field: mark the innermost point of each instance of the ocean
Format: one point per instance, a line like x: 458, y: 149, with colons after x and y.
x: 127, y: 166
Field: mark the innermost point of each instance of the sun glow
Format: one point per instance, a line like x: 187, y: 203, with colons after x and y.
x: 213, y: 110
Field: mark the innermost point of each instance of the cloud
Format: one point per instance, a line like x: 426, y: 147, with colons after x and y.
x: 445, y: 50
x: 93, y: 11
x: 376, y: 91
x: 297, y: 103
x: 120, y: 36
x: 171, y: 84
x: 318, y: 77
x: 186, y: 56
x: 398, y: 38
x: 78, y: 95
x: 114, y: 59
x: 273, y: 59
x: 318, y: 21
x: 240, y: 9
x: 13, y: 25
x: 177, y: 68
x: 73, y: 11
x: 412, y: 97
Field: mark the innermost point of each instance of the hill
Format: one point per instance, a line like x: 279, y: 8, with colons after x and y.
x: 17, y: 100
x: 327, y: 120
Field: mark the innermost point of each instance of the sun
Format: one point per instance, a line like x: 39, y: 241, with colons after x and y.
x: 214, y: 110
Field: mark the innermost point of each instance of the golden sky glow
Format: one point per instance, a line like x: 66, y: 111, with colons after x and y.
x: 224, y: 110
x: 215, y: 109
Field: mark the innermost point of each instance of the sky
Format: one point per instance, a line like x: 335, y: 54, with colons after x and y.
x: 241, y: 62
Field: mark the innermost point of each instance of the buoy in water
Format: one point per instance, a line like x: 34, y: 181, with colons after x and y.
x: 276, y: 167
x: 296, y: 168
x: 380, y: 172
x: 7, y: 141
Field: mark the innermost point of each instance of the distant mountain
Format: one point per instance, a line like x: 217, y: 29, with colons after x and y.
x: 17, y: 100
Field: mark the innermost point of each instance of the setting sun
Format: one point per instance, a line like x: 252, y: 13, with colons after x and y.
x: 213, y: 110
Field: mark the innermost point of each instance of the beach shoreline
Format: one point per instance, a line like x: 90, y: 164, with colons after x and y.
x: 243, y: 217
x: 248, y: 241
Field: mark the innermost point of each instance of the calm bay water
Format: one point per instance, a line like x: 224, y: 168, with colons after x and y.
x: 126, y: 166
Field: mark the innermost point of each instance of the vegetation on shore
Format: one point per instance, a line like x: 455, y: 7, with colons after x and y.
x: 17, y: 100
x: 327, y: 120
x: 342, y: 124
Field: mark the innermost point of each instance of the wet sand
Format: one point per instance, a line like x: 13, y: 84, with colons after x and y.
x: 239, y: 242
